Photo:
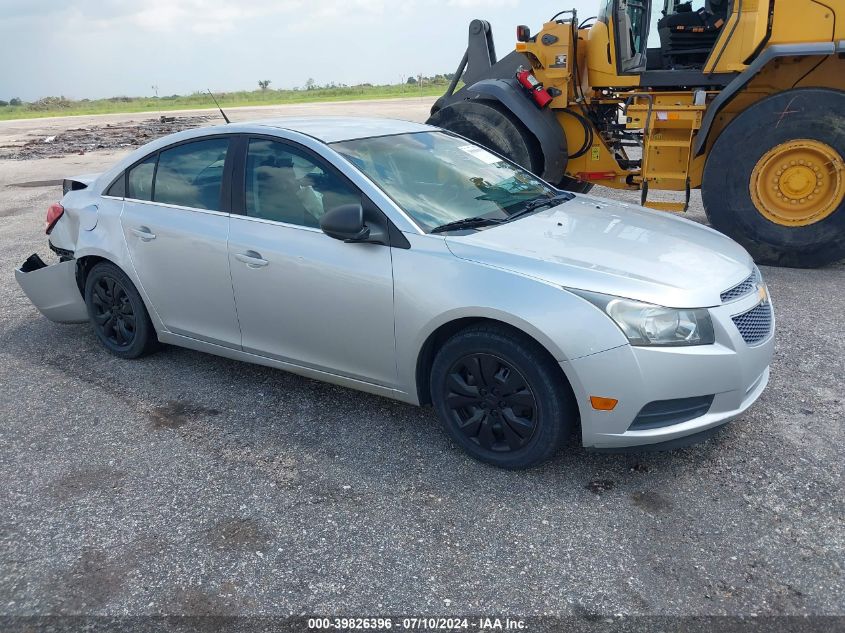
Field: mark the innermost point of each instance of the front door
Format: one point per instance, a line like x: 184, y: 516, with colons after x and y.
x: 303, y: 297
x: 176, y: 233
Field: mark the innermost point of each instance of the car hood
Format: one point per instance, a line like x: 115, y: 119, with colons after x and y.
x: 613, y: 248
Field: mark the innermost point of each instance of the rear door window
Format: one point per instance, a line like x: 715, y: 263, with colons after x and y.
x: 140, y: 181
x: 191, y: 175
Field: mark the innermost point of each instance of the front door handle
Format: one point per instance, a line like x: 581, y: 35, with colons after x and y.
x: 252, y: 259
x: 144, y: 233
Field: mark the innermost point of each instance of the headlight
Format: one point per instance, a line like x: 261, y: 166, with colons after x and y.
x: 647, y: 324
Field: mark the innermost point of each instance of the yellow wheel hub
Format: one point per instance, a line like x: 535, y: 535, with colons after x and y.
x: 798, y: 183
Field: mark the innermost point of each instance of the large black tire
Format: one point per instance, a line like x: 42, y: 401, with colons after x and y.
x: 502, y: 397
x: 803, y: 114
x: 117, y: 312
x: 494, y: 127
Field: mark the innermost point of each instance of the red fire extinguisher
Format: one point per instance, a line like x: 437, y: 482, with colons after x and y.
x: 528, y: 81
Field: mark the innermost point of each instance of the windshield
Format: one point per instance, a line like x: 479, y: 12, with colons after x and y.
x: 438, y: 178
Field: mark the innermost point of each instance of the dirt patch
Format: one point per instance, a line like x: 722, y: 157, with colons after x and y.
x: 240, y: 534
x: 81, y: 140
x: 86, y: 481
x: 93, y: 580
x: 651, y: 502
x: 194, y: 601
x: 35, y: 184
x: 177, y: 413
x: 7, y: 213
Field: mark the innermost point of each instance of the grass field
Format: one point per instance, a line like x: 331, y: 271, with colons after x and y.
x: 59, y: 106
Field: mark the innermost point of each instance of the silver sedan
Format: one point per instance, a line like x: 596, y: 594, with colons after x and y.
x: 406, y: 261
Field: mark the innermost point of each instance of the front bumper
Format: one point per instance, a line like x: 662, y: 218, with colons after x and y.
x: 733, y: 372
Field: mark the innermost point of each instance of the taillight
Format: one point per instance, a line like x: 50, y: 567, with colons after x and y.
x: 53, y: 214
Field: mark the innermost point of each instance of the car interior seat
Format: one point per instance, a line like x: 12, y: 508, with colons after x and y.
x: 272, y: 191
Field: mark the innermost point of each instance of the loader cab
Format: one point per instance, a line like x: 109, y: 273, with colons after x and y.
x: 688, y: 31
x: 650, y: 38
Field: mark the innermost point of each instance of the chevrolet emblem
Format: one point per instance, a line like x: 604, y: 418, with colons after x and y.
x: 763, y: 293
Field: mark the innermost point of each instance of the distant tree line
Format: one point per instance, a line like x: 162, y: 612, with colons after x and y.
x: 441, y: 78
x: 62, y: 102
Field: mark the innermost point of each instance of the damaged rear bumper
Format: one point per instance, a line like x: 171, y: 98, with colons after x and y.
x: 52, y: 289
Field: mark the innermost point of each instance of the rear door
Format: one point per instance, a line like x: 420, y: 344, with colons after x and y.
x: 176, y: 224
x: 302, y: 296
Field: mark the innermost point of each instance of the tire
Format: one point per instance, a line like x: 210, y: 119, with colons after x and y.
x: 502, y: 397
x: 576, y: 186
x: 735, y: 175
x: 117, y: 312
x: 494, y: 127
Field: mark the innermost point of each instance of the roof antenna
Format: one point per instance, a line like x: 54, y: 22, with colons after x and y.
x: 225, y: 118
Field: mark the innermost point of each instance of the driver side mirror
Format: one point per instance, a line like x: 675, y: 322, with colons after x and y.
x: 346, y: 223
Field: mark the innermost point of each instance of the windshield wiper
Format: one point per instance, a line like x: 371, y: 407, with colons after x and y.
x: 466, y: 223
x: 539, y: 204
x: 476, y: 222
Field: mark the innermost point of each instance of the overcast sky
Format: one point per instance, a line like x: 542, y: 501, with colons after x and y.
x: 104, y: 48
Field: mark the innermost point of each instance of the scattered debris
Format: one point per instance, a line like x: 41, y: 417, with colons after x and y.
x: 82, y: 140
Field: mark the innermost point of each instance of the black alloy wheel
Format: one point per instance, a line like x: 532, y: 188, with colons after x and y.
x: 491, y: 402
x: 502, y: 397
x: 117, y: 312
x: 113, y: 315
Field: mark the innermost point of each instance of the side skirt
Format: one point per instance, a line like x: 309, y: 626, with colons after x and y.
x: 219, y: 350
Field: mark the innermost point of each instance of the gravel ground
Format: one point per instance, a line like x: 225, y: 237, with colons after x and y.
x: 188, y: 484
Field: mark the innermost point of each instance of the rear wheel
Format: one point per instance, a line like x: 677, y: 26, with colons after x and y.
x: 117, y: 312
x: 502, y: 397
x: 775, y: 179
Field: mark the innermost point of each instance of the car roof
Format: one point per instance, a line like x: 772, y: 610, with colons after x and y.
x: 323, y: 129
x: 330, y: 129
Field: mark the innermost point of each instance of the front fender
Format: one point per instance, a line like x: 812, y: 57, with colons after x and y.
x: 433, y: 287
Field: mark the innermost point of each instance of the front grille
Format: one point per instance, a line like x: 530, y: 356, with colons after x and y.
x: 741, y: 289
x: 756, y: 324
x: 662, y: 413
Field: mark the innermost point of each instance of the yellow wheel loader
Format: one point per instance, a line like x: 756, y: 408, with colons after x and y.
x: 744, y: 99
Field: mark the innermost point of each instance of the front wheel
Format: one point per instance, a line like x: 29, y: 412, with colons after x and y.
x: 117, y: 312
x: 775, y: 179
x: 502, y: 397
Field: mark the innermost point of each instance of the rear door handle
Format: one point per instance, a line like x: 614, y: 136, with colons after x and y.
x: 144, y: 233
x: 252, y: 259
